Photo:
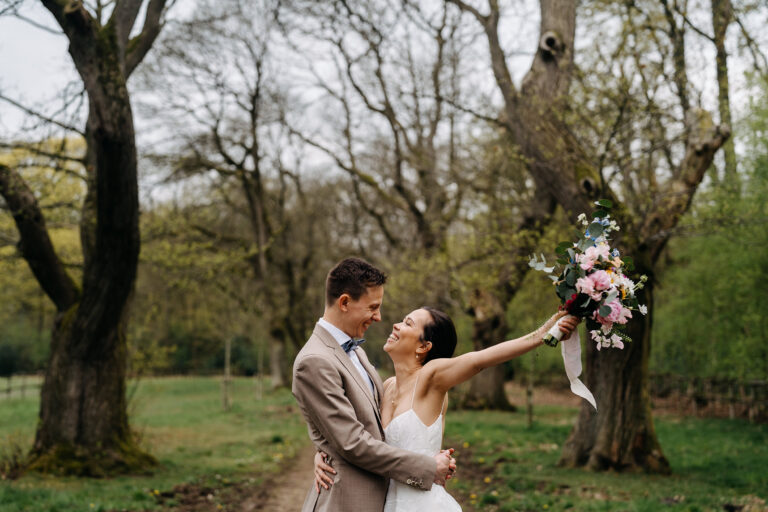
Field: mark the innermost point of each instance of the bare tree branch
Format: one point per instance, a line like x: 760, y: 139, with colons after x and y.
x: 41, y: 116
x: 139, y: 46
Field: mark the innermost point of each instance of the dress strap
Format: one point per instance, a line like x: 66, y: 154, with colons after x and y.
x: 414, y: 390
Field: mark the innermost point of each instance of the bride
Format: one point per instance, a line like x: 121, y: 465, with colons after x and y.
x: 415, y: 399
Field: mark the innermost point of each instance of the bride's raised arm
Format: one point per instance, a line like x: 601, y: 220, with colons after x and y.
x: 447, y: 373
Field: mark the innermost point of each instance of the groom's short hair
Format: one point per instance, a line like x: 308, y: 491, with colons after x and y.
x: 352, y: 276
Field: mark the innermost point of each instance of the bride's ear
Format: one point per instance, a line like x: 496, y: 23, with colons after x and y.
x: 425, y: 347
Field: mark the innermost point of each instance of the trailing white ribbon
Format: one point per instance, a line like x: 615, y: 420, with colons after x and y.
x: 571, y: 349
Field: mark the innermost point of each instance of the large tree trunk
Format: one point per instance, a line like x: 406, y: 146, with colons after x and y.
x: 621, y: 435
x: 83, y: 428
x: 489, y: 326
x: 83, y: 425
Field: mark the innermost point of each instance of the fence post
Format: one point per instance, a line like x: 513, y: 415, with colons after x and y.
x: 529, y: 391
x: 731, y: 400
x: 227, y: 373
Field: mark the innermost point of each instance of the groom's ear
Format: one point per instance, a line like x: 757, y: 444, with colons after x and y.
x: 343, y: 301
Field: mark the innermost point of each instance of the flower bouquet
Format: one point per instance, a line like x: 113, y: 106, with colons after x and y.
x: 593, y: 283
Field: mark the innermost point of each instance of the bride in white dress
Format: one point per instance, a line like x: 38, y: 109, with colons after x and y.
x: 415, y: 399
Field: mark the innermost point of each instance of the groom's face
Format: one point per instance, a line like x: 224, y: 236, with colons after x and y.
x: 361, y: 313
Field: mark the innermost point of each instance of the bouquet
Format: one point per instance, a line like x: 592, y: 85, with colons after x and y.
x: 593, y: 282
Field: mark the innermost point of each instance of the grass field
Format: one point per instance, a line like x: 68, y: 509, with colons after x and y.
x: 503, y: 465
x: 180, y: 421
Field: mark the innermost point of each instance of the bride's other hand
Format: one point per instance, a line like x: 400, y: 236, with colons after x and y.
x: 451, y: 464
x: 568, y: 324
x: 445, y: 462
x: 321, y: 472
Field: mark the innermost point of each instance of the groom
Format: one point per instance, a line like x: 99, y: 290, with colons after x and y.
x: 339, y: 393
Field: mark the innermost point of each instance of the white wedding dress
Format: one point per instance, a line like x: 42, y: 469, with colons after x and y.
x: 408, y: 432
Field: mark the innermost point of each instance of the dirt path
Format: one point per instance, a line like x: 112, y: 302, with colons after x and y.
x: 287, y: 491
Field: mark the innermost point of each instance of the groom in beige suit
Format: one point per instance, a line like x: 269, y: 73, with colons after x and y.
x: 339, y: 393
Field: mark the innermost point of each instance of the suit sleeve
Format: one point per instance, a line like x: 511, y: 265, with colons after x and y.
x: 317, y: 387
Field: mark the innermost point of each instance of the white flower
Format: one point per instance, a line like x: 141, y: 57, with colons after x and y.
x: 643, y: 309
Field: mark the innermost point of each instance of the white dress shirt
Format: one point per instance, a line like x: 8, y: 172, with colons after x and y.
x: 341, y: 337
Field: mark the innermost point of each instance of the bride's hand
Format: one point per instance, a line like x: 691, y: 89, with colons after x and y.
x: 321, y: 472
x: 566, y: 325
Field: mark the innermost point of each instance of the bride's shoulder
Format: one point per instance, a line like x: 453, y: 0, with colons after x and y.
x: 389, y: 382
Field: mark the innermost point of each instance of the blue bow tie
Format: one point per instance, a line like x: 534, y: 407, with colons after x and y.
x: 352, y: 344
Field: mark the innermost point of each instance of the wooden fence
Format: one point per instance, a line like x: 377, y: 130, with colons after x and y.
x: 19, y: 386
x: 714, y: 397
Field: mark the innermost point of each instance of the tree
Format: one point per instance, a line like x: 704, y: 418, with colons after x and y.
x: 572, y: 171
x: 396, y: 85
x: 83, y: 427
x: 231, y: 111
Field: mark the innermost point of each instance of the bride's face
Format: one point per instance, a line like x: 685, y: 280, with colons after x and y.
x: 406, y: 337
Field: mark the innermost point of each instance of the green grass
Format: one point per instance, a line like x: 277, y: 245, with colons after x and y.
x: 181, y: 422
x: 505, y: 466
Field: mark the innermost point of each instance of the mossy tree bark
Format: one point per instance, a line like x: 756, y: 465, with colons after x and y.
x: 623, y: 438
x: 621, y: 435
x: 83, y: 426
x: 532, y: 116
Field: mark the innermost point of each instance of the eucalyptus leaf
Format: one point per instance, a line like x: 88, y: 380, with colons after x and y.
x: 595, y: 229
x: 605, y: 203
x: 604, y: 311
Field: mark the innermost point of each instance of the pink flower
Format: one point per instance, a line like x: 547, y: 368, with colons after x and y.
x: 618, y: 315
x: 598, y: 251
x: 600, y: 279
x: 624, y: 315
x: 586, y: 263
x: 585, y: 285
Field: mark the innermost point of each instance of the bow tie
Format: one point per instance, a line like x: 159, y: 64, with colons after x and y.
x: 352, y: 344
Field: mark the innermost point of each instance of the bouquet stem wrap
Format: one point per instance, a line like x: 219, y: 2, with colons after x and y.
x: 571, y: 350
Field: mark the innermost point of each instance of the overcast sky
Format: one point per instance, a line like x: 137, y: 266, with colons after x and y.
x: 35, y: 66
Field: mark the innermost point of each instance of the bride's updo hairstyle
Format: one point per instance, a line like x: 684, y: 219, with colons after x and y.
x: 441, y: 333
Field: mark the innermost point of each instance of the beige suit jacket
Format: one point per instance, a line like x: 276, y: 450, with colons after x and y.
x: 344, y: 421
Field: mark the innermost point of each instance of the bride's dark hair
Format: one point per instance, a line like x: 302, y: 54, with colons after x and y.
x: 441, y: 333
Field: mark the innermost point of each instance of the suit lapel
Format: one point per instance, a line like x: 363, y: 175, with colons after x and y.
x: 373, y: 374
x: 345, y: 360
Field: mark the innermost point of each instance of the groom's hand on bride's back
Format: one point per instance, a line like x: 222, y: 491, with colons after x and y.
x: 322, y: 470
x: 446, y: 466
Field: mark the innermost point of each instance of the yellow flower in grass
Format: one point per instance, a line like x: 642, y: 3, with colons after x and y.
x: 487, y: 479
x: 465, y: 445
x: 473, y: 496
